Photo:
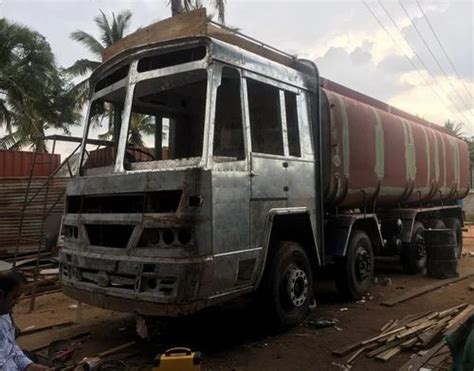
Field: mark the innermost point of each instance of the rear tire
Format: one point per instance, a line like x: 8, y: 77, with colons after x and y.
x: 413, y: 254
x: 454, y: 223
x: 287, y: 287
x: 356, y: 269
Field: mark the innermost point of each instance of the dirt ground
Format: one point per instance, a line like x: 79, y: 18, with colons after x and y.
x: 232, y: 338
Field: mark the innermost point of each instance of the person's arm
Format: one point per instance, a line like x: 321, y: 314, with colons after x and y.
x: 3, y: 349
x: 21, y: 361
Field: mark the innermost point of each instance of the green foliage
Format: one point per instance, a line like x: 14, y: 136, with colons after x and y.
x: 34, y: 93
x: 181, y: 6
x: 455, y: 128
x: 110, y: 31
x: 139, y: 125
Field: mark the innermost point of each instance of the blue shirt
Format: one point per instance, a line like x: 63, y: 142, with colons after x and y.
x: 11, y: 356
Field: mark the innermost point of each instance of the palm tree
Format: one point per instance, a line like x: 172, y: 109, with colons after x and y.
x: 34, y: 94
x: 139, y: 125
x: 455, y: 128
x: 111, y: 30
x: 182, y: 6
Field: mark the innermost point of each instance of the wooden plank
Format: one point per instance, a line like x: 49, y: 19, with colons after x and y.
x: 385, y: 356
x: 375, y: 338
x: 116, y: 349
x: 423, y: 290
x: 345, y: 350
x: 356, y: 354
x: 414, y: 364
x: 422, y: 320
x: 409, y: 343
x: 394, y: 325
x: 461, y: 316
x: 431, y: 337
x: 53, y: 291
x: 451, y: 310
x: 387, y: 325
x: 181, y: 26
x: 383, y: 348
x: 416, y: 329
x: 71, y: 337
x: 34, y: 330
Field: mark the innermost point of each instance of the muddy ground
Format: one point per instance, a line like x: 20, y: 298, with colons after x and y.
x: 232, y: 338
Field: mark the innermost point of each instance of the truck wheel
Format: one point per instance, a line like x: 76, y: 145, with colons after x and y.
x: 355, y: 270
x: 454, y: 223
x: 413, y: 254
x: 288, y: 285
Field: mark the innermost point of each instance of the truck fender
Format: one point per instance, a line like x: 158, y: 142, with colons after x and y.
x: 408, y: 217
x: 339, y: 229
x: 273, y: 214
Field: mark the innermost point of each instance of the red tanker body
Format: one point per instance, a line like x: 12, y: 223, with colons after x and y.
x: 377, y: 157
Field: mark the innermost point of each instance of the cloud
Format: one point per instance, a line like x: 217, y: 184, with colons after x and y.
x: 454, y: 27
x: 360, y: 70
x: 342, y: 36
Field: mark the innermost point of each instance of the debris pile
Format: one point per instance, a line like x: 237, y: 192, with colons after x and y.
x: 423, y: 332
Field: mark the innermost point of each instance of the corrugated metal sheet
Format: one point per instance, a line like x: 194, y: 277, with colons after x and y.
x: 12, y: 196
x: 18, y: 163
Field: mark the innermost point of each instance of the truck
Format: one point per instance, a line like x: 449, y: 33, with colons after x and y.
x: 234, y: 169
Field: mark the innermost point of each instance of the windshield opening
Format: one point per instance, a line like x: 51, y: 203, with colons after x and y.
x: 167, y: 119
x: 103, y: 130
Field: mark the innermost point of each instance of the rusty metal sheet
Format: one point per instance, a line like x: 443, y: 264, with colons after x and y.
x: 12, y: 197
x: 18, y: 163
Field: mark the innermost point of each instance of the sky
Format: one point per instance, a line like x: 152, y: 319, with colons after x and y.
x: 388, y: 61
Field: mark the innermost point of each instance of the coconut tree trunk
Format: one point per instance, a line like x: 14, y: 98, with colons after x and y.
x: 177, y: 7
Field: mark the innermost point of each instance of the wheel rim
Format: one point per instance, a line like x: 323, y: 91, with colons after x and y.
x: 363, y: 264
x: 296, y: 286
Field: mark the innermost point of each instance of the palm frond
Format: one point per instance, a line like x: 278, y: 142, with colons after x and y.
x: 176, y: 7
x: 5, y: 116
x: 219, y: 5
x: 121, y: 24
x: 82, y: 66
x: 106, y: 32
x: 455, y: 128
x: 89, y: 41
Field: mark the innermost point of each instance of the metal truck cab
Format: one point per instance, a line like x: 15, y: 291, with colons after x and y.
x: 207, y: 143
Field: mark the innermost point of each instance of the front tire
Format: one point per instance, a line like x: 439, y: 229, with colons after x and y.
x: 288, y: 285
x: 356, y: 269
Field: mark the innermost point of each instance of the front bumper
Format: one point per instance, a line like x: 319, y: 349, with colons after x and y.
x: 146, y: 286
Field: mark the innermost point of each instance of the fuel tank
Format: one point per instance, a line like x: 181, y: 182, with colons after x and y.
x: 373, y: 155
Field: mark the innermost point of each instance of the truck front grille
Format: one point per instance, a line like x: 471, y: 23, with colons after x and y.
x: 109, y: 235
x: 124, y: 203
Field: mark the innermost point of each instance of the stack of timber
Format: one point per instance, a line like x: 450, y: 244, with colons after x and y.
x: 416, y: 332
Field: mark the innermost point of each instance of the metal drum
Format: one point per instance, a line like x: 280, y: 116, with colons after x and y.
x: 440, y: 250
